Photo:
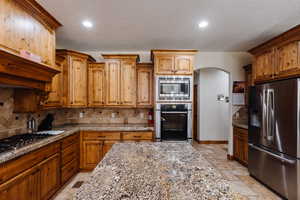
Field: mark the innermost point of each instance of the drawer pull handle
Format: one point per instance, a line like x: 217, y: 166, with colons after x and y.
x: 102, y: 136
x: 137, y: 136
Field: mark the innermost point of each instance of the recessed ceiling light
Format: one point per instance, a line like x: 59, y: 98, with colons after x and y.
x: 203, y: 24
x: 87, y: 24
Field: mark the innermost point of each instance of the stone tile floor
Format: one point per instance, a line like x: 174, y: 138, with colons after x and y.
x: 216, y: 154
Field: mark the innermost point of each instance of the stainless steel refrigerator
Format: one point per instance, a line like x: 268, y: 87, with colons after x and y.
x: 274, y: 141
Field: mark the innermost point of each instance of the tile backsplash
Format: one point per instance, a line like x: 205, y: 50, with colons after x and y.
x: 15, y: 123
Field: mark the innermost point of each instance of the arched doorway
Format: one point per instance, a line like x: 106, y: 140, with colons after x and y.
x: 214, y: 107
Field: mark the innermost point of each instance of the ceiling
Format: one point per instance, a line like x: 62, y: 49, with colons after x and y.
x: 136, y: 25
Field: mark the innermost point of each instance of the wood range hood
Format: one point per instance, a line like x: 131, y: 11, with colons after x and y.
x: 38, y: 39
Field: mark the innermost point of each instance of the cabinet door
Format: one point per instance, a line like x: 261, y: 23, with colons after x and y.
x: 288, y: 61
x: 164, y: 64
x: 128, y: 83
x: 264, y: 66
x: 112, y: 71
x: 144, y: 87
x: 50, y: 176
x: 183, y: 65
x: 236, y: 151
x: 92, y: 154
x: 78, y: 90
x: 107, y: 146
x: 96, y: 85
x: 24, y: 186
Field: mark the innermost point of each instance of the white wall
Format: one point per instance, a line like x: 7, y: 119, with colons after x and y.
x: 213, y: 115
x: 231, y: 62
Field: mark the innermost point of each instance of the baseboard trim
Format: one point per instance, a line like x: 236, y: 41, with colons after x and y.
x: 212, y: 142
x: 230, y: 157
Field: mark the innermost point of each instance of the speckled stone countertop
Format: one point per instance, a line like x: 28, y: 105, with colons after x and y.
x: 240, y: 124
x: 155, y: 171
x: 69, y: 130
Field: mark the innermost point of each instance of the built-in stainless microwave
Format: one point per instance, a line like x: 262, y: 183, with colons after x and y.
x: 174, y: 88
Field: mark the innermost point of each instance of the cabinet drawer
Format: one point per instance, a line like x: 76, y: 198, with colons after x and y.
x: 15, y: 167
x: 102, y: 135
x: 69, y: 170
x: 69, y: 153
x: 137, y: 135
x: 70, y: 140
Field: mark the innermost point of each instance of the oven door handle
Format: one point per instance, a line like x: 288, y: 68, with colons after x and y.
x: 175, y: 112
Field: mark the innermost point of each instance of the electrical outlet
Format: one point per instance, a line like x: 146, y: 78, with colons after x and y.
x: 113, y: 115
x: 142, y: 116
x: 81, y: 115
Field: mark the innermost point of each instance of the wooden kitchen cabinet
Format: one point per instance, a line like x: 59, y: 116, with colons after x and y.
x: 288, y: 59
x: 145, y: 85
x: 75, y: 83
x: 120, y: 73
x: 112, y: 69
x: 128, y: 83
x: 50, y: 176
x: 240, y: 145
x: 27, y: 27
x: 24, y: 186
x: 164, y: 64
x: 173, y: 62
x: 264, y: 66
x: 183, y: 65
x: 70, y: 155
x: 94, y: 145
x: 92, y: 153
x: 107, y: 145
x: 32, y: 176
x: 55, y: 98
x: 137, y: 136
x: 96, y: 86
x: 277, y: 58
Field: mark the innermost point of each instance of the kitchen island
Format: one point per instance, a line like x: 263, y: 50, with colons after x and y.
x: 156, y: 171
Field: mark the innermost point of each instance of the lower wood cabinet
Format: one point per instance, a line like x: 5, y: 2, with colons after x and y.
x: 92, y: 152
x: 34, y: 176
x: 69, y: 157
x: 50, y: 176
x: 94, y: 145
x: 240, y: 145
x: 24, y: 186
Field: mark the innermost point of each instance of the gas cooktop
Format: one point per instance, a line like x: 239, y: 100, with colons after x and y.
x: 18, y: 141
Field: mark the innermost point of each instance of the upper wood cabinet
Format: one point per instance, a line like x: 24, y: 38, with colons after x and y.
x: 264, y: 66
x: 144, y: 85
x: 288, y: 59
x: 278, y: 58
x: 26, y: 27
x: 96, y: 86
x: 173, y: 62
x: 128, y: 82
x: 120, y: 80
x: 56, y: 86
x: 112, y: 70
x: 75, y: 71
x: 164, y: 64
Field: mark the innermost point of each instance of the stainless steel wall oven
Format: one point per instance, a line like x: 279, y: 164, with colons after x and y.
x: 174, y: 122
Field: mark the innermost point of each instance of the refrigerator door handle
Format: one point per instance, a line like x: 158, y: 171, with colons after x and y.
x: 264, y: 114
x: 272, y: 117
x: 273, y: 155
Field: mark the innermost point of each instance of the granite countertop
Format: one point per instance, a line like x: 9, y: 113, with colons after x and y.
x: 240, y: 123
x: 70, y: 129
x: 156, y: 171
